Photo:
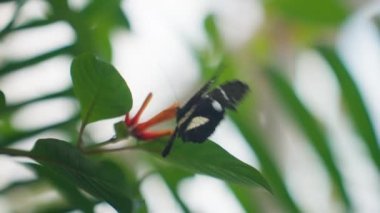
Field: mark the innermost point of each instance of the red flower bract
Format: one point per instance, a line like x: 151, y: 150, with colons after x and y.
x: 140, y: 130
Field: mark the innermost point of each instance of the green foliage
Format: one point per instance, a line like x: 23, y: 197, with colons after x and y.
x: 2, y: 100
x: 100, y: 89
x: 327, y: 12
x: 210, y: 159
x: 98, y: 179
x: 269, y: 167
x: 248, y: 128
x: 290, y: 26
x: 310, y: 127
x: 354, y: 102
x: 173, y: 175
x: 104, y: 15
x: 67, y: 188
x: 212, y: 32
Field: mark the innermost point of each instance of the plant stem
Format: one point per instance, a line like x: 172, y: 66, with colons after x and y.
x: 84, y: 124
x: 112, y: 140
x: 15, y: 152
x: 101, y: 151
x: 80, y: 141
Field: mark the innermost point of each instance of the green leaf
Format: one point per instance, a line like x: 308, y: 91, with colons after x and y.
x: 210, y: 159
x: 310, y: 12
x: 355, y: 103
x: 311, y: 128
x: 172, y: 175
x: 106, y: 15
x: 95, y: 25
x: 68, y: 190
x: 246, y: 197
x: 100, y: 180
x: 253, y: 135
x: 213, y: 33
x: 101, y: 90
x: 2, y: 100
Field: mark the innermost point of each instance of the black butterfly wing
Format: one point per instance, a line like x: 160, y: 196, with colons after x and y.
x: 206, y: 116
x: 230, y: 94
x: 195, y: 98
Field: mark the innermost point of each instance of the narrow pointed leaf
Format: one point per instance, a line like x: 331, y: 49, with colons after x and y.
x: 210, y: 159
x: 100, y: 89
x: 311, y: 128
x: 213, y: 32
x: 98, y: 179
x: 354, y: 102
x: 173, y: 176
x: 2, y: 100
x: 268, y: 164
x: 246, y: 198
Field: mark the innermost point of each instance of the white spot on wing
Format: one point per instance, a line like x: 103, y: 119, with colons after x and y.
x: 216, y: 105
x: 224, y: 94
x: 196, y: 122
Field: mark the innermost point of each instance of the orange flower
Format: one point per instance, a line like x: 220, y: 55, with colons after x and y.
x: 139, y: 130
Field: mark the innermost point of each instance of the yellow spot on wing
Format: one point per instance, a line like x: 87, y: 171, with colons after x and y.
x: 196, y: 122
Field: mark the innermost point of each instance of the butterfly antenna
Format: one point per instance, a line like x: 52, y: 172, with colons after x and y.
x: 170, y: 143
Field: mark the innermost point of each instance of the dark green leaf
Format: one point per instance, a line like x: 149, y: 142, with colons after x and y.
x: 2, y: 100
x: 355, y: 103
x: 100, y: 180
x: 121, y: 130
x: 211, y: 159
x: 101, y: 90
x: 68, y: 190
x: 52, y: 207
x: 311, y: 12
x: 310, y: 127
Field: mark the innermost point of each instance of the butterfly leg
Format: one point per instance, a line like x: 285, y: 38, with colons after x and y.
x: 170, y: 143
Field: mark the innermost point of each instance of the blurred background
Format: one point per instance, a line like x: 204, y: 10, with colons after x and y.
x: 310, y: 124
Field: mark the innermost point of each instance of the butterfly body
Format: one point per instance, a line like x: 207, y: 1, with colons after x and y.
x: 200, y: 116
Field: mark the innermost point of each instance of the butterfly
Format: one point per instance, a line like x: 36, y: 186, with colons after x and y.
x: 202, y: 113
